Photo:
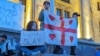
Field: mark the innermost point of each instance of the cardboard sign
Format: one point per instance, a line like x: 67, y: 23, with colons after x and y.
x: 31, y: 38
x: 11, y: 15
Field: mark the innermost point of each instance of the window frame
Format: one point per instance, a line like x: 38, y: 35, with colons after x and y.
x: 60, y: 11
x: 67, y: 1
x: 98, y: 6
x: 68, y: 14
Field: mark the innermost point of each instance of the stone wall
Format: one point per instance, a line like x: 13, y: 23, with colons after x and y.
x: 95, y: 16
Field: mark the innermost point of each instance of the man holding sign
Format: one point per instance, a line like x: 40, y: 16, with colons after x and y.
x: 46, y: 5
x: 74, y: 16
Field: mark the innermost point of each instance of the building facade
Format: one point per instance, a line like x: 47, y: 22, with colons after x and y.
x: 95, y: 11
x: 88, y: 22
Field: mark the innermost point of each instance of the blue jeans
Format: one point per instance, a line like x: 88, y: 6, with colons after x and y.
x: 98, y: 53
x: 28, y: 51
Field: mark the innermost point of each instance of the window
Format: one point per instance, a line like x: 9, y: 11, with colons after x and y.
x: 58, y: 12
x: 68, y: 1
x: 66, y: 14
x: 98, y: 6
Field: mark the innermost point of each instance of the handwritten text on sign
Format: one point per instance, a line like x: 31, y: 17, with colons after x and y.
x: 11, y: 15
x: 31, y: 38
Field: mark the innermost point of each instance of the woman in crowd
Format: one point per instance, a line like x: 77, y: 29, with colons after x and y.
x: 31, y: 50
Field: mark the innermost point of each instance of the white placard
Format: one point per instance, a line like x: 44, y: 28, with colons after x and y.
x: 31, y: 38
x: 11, y: 15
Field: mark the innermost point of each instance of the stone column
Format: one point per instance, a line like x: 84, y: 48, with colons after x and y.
x: 86, y: 19
x: 28, y: 11
x: 76, y: 4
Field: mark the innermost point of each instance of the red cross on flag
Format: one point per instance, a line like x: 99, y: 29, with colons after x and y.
x: 60, y: 31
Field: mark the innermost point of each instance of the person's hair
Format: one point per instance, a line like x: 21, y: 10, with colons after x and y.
x: 3, y: 36
x: 75, y: 13
x: 30, y: 24
x: 46, y: 2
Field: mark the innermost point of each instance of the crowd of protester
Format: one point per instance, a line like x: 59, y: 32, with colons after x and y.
x: 9, y: 47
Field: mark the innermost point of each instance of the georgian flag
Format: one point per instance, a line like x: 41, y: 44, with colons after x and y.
x: 60, y: 31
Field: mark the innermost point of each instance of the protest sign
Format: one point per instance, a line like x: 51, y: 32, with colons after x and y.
x: 31, y: 38
x: 11, y: 15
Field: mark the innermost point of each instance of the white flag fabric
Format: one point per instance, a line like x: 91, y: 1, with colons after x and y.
x: 60, y: 31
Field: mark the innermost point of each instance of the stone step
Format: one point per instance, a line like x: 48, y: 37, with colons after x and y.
x: 52, y: 55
